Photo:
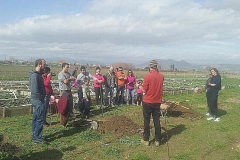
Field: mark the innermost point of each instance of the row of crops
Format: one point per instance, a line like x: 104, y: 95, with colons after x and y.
x: 14, y: 93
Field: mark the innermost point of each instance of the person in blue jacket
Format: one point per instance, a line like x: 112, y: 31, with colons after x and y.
x: 37, y: 99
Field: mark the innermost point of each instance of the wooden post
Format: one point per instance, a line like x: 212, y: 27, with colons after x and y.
x: 4, y: 112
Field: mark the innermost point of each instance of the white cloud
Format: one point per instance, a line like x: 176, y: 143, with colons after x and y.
x: 131, y: 31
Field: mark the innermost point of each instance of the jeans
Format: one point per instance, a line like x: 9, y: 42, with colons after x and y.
x: 119, y: 98
x: 130, y: 92
x: 46, y: 105
x: 37, y: 119
x: 98, y: 95
x: 154, y: 110
x: 108, y: 90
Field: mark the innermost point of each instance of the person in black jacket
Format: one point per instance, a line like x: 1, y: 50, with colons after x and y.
x: 213, y: 86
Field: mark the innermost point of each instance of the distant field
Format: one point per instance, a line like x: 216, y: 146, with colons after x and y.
x: 20, y: 73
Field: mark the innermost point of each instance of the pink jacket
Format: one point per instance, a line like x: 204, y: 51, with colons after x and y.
x: 99, y: 77
x: 139, y: 91
x: 131, y: 81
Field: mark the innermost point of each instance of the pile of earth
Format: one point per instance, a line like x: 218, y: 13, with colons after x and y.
x: 182, y: 110
x: 9, y: 150
x: 119, y: 125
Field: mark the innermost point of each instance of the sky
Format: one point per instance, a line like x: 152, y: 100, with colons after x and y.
x: 132, y: 31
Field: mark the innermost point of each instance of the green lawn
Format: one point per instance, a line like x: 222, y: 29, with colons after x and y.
x: 182, y: 138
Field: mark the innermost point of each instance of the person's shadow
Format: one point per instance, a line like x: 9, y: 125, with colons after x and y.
x: 221, y: 112
x: 52, y: 154
x: 167, y: 134
x: 75, y: 127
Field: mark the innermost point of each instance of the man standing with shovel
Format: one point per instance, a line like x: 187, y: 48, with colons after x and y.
x: 152, y: 87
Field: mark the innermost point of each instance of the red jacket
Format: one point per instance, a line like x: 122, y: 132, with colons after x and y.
x: 47, y: 84
x: 153, y: 87
x: 62, y: 104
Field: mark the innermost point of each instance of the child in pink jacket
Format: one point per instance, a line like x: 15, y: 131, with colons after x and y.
x: 139, y: 93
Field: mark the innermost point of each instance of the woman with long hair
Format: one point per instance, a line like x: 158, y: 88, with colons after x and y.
x: 213, y: 86
x: 131, y: 81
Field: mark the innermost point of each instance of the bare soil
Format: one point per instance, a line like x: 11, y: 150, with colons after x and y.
x: 8, y: 148
x: 120, y: 125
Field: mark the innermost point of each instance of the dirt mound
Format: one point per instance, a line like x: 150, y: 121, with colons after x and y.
x: 183, y: 110
x: 119, y: 125
x: 8, y: 148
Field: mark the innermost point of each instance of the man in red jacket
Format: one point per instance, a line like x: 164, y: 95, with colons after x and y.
x: 152, y: 87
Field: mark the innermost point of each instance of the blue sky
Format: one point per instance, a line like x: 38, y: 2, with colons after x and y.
x: 136, y: 31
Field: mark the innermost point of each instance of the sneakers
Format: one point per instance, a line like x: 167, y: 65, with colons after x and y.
x: 207, y: 114
x: 210, y: 118
x: 146, y: 143
x: 217, y: 119
x: 41, y: 141
x: 157, y: 143
x: 134, y: 104
x: 128, y: 103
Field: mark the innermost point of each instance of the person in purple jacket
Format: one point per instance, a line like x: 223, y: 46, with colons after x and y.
x: 130, y: 83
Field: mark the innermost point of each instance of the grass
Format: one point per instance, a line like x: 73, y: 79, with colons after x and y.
x: 185, y: 138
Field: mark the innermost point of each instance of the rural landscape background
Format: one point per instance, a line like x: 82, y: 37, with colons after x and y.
x: 186, y: 134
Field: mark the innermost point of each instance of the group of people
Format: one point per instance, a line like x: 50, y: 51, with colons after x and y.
x: 151, y: 87
x: 111, y: 80
x: 41, y: 90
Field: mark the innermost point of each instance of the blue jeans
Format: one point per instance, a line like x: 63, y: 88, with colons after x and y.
x: 119, y: 98
x: 130, y: 92
x: 46, y: 105
x: 108, y: 90
x: 37, y: 119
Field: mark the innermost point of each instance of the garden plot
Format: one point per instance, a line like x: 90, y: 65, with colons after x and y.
x: 121, y: 126
x: 172, y: 86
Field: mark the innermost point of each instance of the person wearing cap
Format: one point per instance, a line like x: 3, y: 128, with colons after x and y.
x: 153, y: 89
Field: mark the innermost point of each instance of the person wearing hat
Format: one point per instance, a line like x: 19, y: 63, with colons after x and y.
x: 153, y: 89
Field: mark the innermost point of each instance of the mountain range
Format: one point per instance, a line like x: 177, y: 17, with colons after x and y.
x: 183, y: 65
x: 166, y: 64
